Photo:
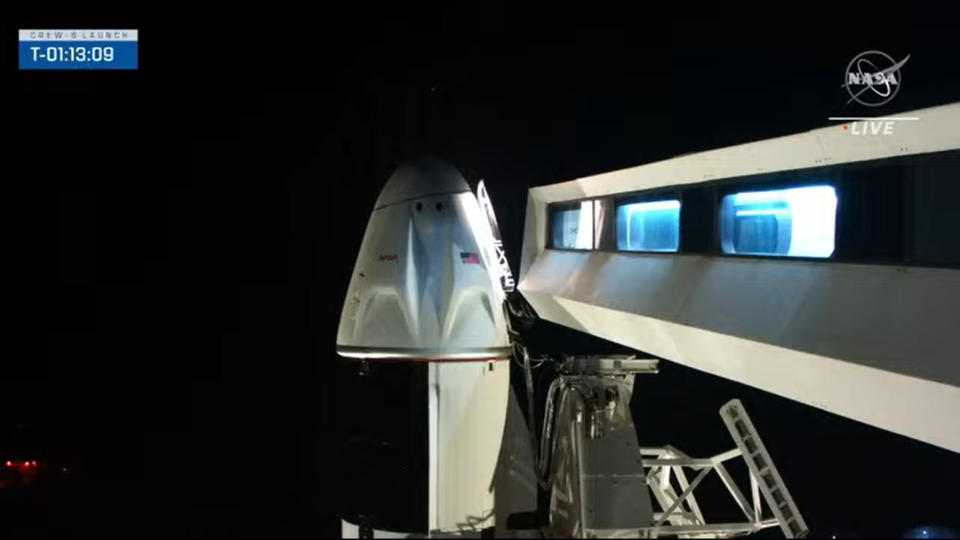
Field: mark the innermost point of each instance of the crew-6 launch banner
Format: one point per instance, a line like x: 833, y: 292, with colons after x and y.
x: 78, y: 49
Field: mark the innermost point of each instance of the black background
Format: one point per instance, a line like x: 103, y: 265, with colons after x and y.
x: 181, y: 235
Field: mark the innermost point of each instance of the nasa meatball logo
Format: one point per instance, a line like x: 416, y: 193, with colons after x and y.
x: 873, y: 78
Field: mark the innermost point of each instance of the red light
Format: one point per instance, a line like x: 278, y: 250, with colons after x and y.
x: 9, y: 463
x: 34, y: 463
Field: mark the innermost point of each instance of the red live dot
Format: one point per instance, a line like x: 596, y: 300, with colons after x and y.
x: 844, y: 126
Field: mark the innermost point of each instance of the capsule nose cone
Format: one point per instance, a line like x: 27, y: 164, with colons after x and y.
x: 420, y: 178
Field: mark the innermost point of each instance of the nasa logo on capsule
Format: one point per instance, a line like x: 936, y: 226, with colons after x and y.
x: 873, y: 78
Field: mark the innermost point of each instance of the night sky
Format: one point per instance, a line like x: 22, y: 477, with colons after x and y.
x: 182, y: 237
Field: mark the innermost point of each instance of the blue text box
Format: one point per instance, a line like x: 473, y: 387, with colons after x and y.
x: 78, y: 54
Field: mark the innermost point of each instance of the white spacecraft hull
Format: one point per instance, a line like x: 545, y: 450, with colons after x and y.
x: 424, y: 289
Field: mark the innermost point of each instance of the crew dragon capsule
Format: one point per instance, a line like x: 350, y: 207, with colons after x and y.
x: 425, y: 289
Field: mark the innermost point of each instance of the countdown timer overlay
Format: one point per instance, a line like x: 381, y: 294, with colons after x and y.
x: 78, y: 49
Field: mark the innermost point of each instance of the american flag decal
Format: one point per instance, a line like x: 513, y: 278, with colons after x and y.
x: 468, y: 257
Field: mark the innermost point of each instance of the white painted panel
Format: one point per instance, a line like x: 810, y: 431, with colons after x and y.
x: 470, y: 416
x: 934, y: 131
x: 840, y: 338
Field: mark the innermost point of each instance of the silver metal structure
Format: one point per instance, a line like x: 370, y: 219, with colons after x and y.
x: 601, y: 483
x: 680, y: 513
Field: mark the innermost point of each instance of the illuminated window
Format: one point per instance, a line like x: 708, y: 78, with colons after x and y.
x: 649, y: 226
x: 797, y: 222
x: 573, y: 226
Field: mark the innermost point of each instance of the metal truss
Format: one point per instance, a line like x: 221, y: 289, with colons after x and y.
x: 680, y: 513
